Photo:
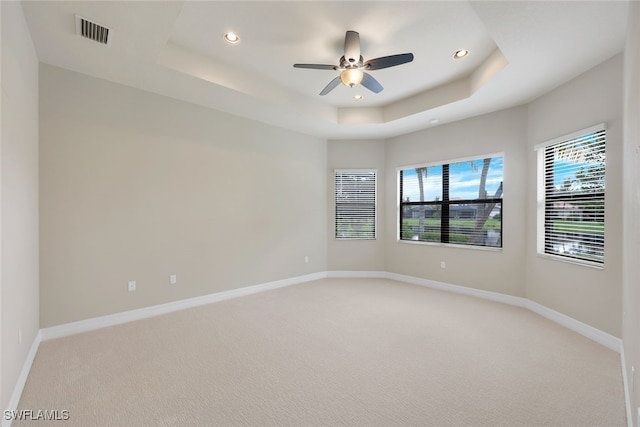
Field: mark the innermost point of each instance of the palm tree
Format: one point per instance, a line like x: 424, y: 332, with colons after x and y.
x: 484, y: 210
x: 420, y: 172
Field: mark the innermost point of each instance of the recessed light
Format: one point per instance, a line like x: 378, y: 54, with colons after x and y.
x: 358, y: 97
x: 460, y: 54
x: 231, y: 38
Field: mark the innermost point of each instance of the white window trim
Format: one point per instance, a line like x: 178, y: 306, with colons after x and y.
x: 438, y: 163
x: 375, y: 215
x: 540, y: 199
x: 572, y: 135
x: 449, y: 161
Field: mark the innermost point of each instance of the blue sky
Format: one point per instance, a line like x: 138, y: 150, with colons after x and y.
x: 587, y: 151
x: 563, y: 170
x: 464, y: 180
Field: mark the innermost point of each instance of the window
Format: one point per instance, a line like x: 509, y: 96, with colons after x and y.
x: 456, y: 203
x: 571, y: 191
x: 355, y: 204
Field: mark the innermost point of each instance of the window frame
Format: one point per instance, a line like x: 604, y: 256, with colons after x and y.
x: 449, y: 203
x: 337, y: 204
x: 542, y: 221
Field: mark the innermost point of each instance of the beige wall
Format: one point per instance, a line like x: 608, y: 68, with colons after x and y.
x: 587, y: 294
x: 496, y: 271
x: 18, y: 197
x: 356, y: 255
x: 631, y: 209
x: 136, y: 186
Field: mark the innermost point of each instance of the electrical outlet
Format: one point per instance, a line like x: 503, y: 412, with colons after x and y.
x: 173, y: 279
x: 306, y: 259
x: 443, y: 264
x: 132, y: 285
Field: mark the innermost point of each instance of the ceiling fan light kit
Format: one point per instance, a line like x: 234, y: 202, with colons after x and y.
x: 352, y: 66
x: 351, y: 77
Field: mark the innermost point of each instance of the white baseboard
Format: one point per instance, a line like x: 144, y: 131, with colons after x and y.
x: 590, y: 332
x: 601, y: 337
x: 594, y: 334
x: 22, y: 378
x: 570, y: 323
x: 488, y: 295
x: 358, y: 274
x: 625, y: 384
x: 156, y: 310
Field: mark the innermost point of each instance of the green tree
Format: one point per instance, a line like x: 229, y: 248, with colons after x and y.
x: 484, y: 210
x: 420, y: 172
x: 588, y: 153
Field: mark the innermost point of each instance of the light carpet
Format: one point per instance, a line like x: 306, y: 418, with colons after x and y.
x: 333, y: 352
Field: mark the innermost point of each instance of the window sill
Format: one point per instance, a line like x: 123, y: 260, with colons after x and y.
x: 361, y: 239
x: 577, y: 262
x: 450, y: 245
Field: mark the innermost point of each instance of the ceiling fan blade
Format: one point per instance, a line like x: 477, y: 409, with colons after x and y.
x: 352, y: 46
x: 388, y: 61
x: 370, y: 83
x: 316, y: 66
x: 331, y: 86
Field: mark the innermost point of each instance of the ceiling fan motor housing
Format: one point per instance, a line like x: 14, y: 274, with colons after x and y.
x: 350, y: 63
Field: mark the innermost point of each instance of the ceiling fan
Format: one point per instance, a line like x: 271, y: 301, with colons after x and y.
x: 352, y: 66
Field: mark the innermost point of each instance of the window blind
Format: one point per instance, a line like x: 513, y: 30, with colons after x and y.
x: 574, y: 197
x: 355, y: 204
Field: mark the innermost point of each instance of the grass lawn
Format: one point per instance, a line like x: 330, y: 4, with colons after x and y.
x: 491, y: 224
x: 579, y: 227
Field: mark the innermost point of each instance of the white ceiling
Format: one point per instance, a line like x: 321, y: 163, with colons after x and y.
x: 519, y: 50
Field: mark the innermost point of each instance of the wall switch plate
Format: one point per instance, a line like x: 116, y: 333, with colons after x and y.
x: 173, y: 279
x: 132, y: 285
x: 443, y: 264
x: 306, y: 258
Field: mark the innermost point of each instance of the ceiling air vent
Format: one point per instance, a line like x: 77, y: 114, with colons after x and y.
x: 92, y: 31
